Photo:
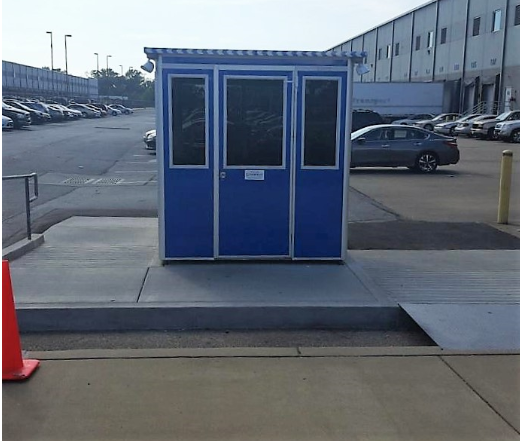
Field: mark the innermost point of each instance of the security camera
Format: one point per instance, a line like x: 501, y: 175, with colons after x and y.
x: 148, y: 66
x: 362, y: 69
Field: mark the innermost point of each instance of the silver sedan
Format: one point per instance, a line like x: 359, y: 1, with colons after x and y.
x: 402, y: 146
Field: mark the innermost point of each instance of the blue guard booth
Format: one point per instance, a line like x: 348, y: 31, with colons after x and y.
x: 253, y: 149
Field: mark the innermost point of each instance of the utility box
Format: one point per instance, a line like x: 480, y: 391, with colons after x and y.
x: 252, y: 149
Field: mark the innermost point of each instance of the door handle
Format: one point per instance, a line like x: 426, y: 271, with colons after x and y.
x: 385, y: 145
x: 417, y: 143
x: 222, y: 175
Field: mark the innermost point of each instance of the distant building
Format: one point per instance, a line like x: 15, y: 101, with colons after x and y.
x: 21, y: 80
x: 473, y: 46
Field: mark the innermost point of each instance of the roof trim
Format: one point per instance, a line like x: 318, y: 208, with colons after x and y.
x: 411, y: 11
x: 151, y: 51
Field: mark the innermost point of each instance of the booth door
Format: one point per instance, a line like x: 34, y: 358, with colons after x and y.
x: 254, y: 164
x: 320, y: 156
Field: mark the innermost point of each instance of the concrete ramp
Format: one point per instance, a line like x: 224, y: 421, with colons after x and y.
x: 469, y: 326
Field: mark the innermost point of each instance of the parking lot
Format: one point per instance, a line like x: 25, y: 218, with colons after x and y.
x: 100, y: 168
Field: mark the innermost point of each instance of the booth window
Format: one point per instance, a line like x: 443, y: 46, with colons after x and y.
x: 255, y: 122
x: 189, y: 121
x: 320, y: 124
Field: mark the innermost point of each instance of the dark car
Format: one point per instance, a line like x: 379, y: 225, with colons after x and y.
x: 37, y: 116
x: 56, y: 115
x: 390, y: 145
x: 20, y: 117
x: 364, y: 118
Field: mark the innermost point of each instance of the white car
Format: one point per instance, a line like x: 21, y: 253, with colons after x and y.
x: 429, y: 124
x: 114, y: 111
x: 508, y: 131
x: 464, y: 128
x: 413, y: 118
x: 7, y: 123
x: 448, y: 128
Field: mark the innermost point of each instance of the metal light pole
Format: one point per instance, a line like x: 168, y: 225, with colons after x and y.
x: 108, y: 56
x: 52, y: 63
x: 121, y: 66
x: 66, y: 63
x: 97, y: 62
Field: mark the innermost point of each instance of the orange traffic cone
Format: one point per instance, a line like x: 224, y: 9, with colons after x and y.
x: 13, y: 366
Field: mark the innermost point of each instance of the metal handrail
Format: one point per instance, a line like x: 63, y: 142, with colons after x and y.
x: 28, y: 198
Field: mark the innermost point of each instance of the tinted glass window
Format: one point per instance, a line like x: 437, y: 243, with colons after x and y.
x: 416, y: 134
x: 255, y: 122
x: 373, y: 135
x: 189, y: 121
x: 321, y: 107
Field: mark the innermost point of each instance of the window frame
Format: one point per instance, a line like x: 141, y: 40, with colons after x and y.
x: 476, y: 26
x: 225, y: 165
x: 497, y: 14
x: 429, y: 40
x: 516, y: 19
x: 396, y: 49
x: 417, y: 42
x: 444, y: 35
x: 171, y: 77
x: 338, y: 121
x: 388, y: 51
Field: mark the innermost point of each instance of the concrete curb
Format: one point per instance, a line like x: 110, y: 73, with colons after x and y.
x: 136, y: 317
x: 22, y: 247
x: 258, y: 352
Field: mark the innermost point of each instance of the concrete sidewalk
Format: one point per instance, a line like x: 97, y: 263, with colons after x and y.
x: 266, y: 394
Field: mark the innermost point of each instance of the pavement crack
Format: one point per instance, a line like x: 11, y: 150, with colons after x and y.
x: 479, y: 395
x: 142, y: 284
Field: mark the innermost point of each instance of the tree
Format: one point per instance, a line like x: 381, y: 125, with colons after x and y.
x: 132, y: 85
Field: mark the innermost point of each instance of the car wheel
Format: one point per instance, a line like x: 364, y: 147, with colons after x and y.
x: 84, y: 114
x: 515, y: 136
x: 491, y: 134
x: 428, y: 127
x: 452, y: 131
x: 426, y: 162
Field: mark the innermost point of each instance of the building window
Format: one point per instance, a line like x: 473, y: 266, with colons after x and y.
x: 444, y: 32
x: 497, y: 20
x: 379, y: 53
x: 417, y: 42
x: 389, y: 51
x: 517, y: 15
x: 430, y: 39
x: 396, y: 49
x: 476, y: 26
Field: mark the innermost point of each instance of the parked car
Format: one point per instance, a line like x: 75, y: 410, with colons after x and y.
x: 413, y: 118
x: 114, y: 111
x: 508, y: 131
x: 20, y: 117
x: 103, y: 112
x: 464, y: 128
x: 429, y: 124
x: 149, y: 139
x: 87, y: 112
x: 100, y: 106
x: 448, y: 128
x: 7, y: 123
x: 486, y: 129
x: 364, y: 118
x: 388, y: 145
x: 69, y: 114
x: 123, y: 109
x: 37, y: 116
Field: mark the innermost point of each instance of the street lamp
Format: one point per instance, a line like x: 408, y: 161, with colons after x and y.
x: 66, y: 63
x: 52, y: 62
x: 121, y: 66
x: 97, y: 62
x: 108, y: 56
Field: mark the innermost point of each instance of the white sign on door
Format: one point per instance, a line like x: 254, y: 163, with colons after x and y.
x: 254, y: 175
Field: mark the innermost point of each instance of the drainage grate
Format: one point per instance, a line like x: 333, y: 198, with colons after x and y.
x: 107, y: 181
x: 77, y: 181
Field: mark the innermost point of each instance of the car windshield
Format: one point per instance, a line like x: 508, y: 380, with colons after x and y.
x: 439, y: 117
x: 503, y: 116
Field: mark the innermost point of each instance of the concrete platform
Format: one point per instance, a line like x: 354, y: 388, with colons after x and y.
x: 95, y: 274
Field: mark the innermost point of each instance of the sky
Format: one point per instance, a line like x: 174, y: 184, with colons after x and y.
x: 122, y: 28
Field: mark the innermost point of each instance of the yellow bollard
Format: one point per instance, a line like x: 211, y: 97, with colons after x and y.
x: 505, y: 187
